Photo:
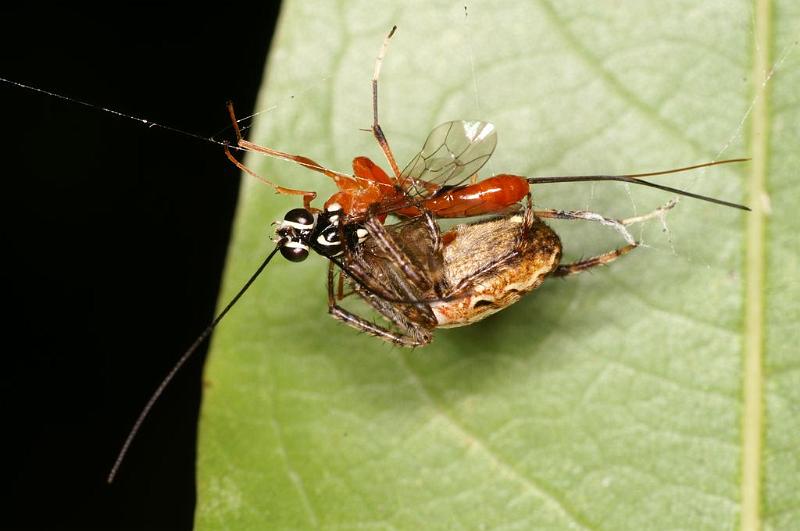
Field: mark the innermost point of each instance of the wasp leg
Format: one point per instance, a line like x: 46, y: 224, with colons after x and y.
x: 297, y: 159
x: 411, y: 335
x: 620, y: 225
x: 574, y: 268
x: 377, y: 132
x: 307, y: 195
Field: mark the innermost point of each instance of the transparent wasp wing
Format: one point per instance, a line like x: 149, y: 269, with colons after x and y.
x: 453, y: 152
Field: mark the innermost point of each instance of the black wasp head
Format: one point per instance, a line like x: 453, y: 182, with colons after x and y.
x: 301, y: 230
x: 294, y: 232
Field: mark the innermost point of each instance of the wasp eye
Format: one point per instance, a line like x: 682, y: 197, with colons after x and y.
x: 294, y: 250
x: 300, y: 218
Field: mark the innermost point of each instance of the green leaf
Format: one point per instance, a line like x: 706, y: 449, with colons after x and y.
x: 659, y: 392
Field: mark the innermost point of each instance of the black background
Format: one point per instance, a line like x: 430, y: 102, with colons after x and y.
x: 114, y: 238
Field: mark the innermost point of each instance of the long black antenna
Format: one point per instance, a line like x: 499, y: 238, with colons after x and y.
x: 119, y: 114
x: 175, y: 368
x: 634, y: 178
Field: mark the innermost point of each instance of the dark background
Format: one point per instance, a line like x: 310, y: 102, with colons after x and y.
x: 114, y: 241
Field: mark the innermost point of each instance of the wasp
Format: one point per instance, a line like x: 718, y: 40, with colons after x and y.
x: 414, y: 275
x: 382, y: 237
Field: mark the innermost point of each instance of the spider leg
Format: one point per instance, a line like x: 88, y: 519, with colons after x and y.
x: 411, y: 334
x: 386, y: 244
x: 574, y: 268
x: 620, y: 225
x: 340, y: 288
x: 435, y: 267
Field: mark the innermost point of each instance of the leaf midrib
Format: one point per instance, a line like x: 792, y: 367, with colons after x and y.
x: 752, y: 414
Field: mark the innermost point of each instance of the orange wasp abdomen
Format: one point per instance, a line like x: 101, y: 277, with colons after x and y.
x: 491, y: 195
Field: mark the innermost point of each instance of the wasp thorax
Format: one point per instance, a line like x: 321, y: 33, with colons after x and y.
x: 327, y: 236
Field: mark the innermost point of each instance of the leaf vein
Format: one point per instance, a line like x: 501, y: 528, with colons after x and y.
x: 473, y: 440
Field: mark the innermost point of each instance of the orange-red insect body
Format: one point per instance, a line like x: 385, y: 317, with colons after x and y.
x: 488, y: 196
x: 371, y: 185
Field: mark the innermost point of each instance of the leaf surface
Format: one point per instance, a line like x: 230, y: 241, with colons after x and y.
x: 612, y: 400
